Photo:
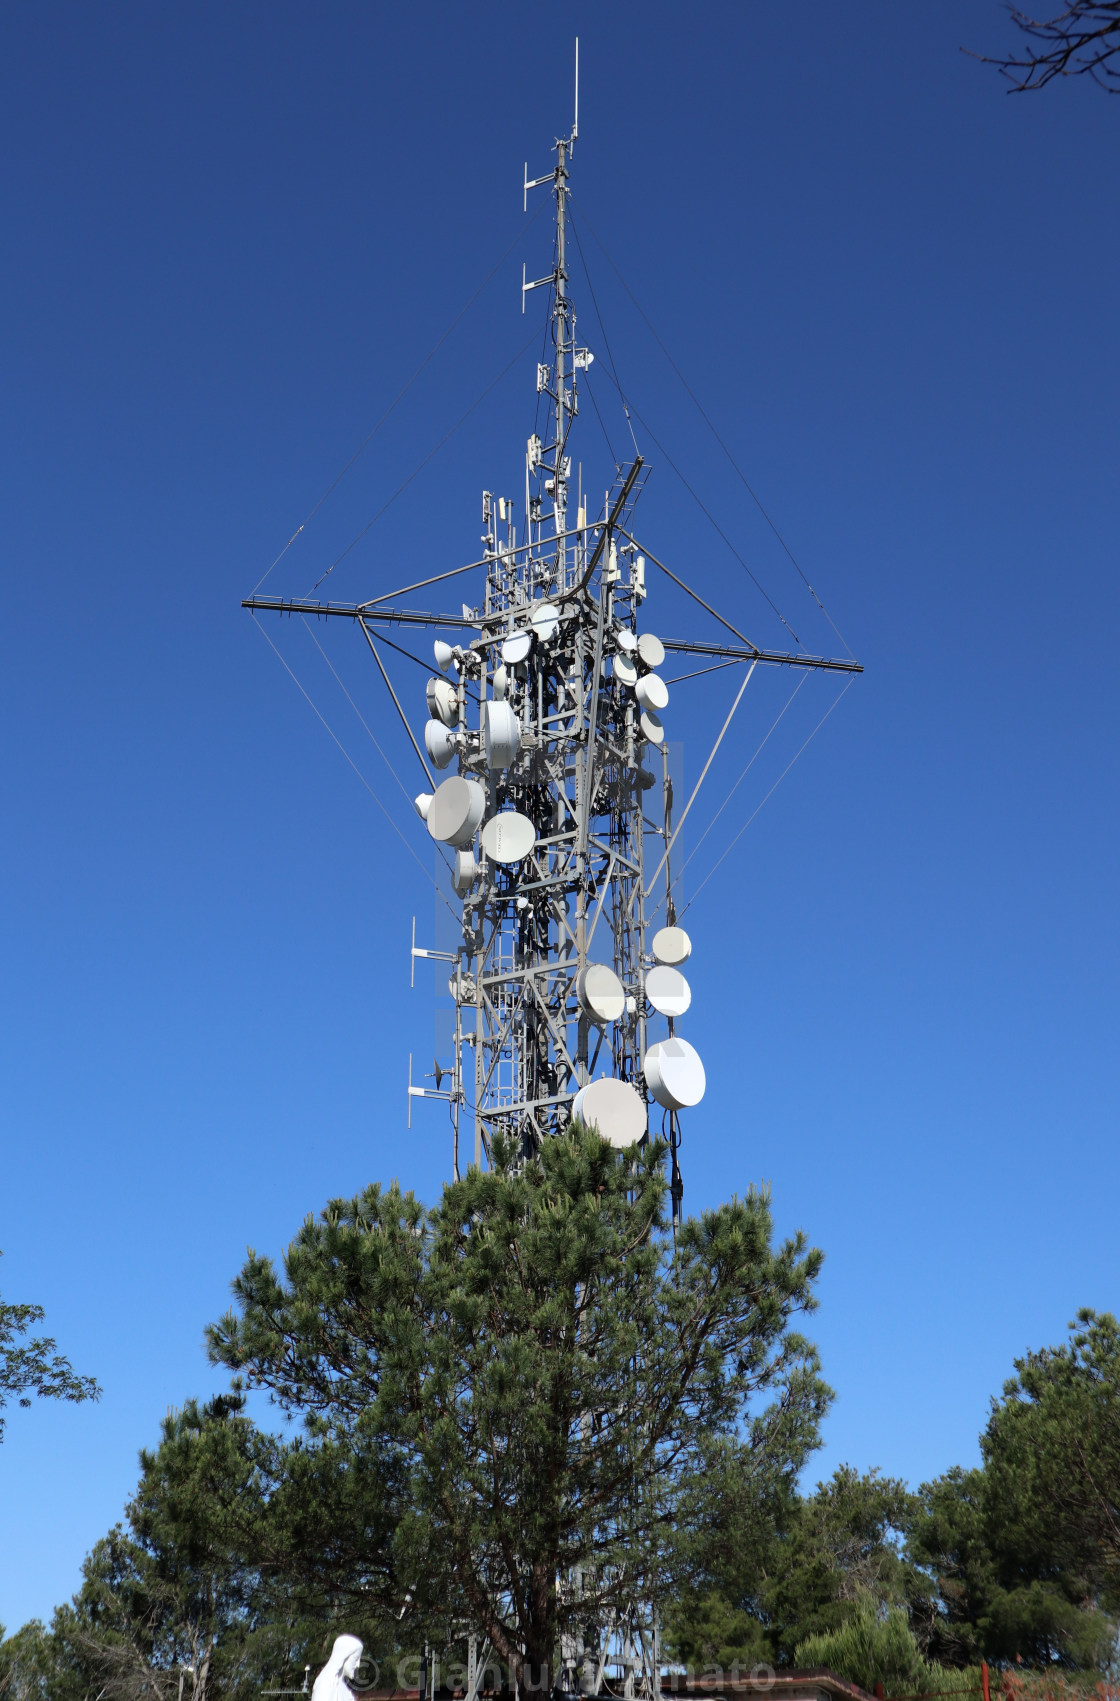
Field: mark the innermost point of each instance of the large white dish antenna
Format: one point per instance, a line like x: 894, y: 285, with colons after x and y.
x: 652, y: 691
x: 674, y: 1074
x: 671, y: 945
x: 443, y: 701
x: 601, y: 993
x: 508, y: 837
x: 668, y: 991
x: 624, y: 670
x: 503, y: 734
x: 516, y: 648
x: 615, y: 1108
x: 544, y: 620
x: 465, y: 872
x: 439, y: 741
x: 653, y: 727
x: 651, y: 650
x: 455, y: 811
x: 626, y: 640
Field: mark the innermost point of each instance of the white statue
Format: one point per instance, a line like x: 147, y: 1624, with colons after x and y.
x: 331, y: 1683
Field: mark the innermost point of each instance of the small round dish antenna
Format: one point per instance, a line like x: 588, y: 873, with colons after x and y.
x: 544, y: 620
x: 439, y: 741
x: 601, y: 993
x: 652, y: 691
x: 443, y: 701
x: 423, y: 803
x: 651, y: 650
x: 444, y: 655
x: 626, y: 640
x: 671, y: 945
x: 674, y: 1074
x: 508, y: 837
x: 455, y: 811
x: 668, y: 991
x: 503, y: 734
x: 615, y: 1108
x: 624, y: 670
x: 516, y: 648
x: 501, y: 684
x: 653, y: 727
x: 465, y: 872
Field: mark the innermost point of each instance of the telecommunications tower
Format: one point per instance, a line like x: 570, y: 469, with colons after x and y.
x: 546, y: 717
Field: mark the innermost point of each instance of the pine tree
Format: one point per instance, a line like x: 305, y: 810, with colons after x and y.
x: 541, y: 1373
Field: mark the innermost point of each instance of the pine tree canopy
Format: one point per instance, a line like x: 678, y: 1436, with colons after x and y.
x: 542, y: 1375
x: 35, y: 1367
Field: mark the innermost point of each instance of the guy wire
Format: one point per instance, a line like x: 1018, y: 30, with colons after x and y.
x: 748, y: 487
x: 766, y: 799
x: 427, y: 360
x: 307, y: 696
x: 401, y: 488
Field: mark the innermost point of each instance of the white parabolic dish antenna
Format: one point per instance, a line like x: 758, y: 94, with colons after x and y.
x: 465, y: 872
x: 439, y: 741
x: 624, y: 670
x: 508, y: 837
x: 516, y: 649
x: 652, y: 691
x: 672, y: 945
x: 674, y: 1074
x: 668, y: 991
x: 455, y: 811
x: 503, y: 735
x: 615, y: 1108
x: 601, y: 993
x: 443, y: 700
x: 651, y: 649
x: 544, y: 621
x: 652, y: 727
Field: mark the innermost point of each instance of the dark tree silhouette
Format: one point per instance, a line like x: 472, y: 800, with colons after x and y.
x: 1081, y: 41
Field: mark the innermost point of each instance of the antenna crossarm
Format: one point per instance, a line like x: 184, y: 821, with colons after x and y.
x: 355, y: 611
x: 773, y: 658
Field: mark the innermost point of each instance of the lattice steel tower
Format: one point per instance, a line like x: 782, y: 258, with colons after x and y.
x: 557, y: 818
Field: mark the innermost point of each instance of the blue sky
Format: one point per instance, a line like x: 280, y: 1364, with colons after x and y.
x: 231, y: 236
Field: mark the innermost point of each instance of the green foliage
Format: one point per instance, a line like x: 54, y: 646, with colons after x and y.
x: 795, y: 1567
x: 1023, y: 1554
x: 874, y: 1645
x: 531, y: 1382
x: 540, y: 1375
x: 35, y: 1367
